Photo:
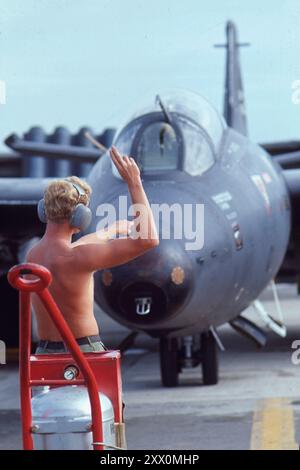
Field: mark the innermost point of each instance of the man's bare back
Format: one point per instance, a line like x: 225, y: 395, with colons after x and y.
x: 72, y: 289
x: 72, y: 265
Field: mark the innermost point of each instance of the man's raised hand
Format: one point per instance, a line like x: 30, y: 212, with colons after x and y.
x: 126, y: 167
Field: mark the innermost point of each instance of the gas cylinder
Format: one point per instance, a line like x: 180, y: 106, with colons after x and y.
x: 61, y: 419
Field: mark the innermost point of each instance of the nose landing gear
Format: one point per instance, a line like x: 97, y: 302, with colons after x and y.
x: 169, y: 361
x: 187, y: 352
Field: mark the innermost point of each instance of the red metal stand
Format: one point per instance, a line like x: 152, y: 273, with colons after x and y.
x: 98, y: 371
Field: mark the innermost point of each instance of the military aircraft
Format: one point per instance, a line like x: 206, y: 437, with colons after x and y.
x: 188, y: 154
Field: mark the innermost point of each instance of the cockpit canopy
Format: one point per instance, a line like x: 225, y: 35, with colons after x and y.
x: 179, y: 131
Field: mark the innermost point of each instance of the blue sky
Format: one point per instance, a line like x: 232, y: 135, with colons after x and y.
x: 75, y: 62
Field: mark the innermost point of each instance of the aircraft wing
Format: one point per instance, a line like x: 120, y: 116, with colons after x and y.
x: 18, y: 202
x: 22, y: 191
x: 285, y: 153
x: 292, y: 177
x: 280, y: 147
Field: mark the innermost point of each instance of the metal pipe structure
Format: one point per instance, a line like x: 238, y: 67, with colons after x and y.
x: 53, y: 150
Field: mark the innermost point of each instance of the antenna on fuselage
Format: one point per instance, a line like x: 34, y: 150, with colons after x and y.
x: 164, y: 109
x: 97, y: 144
x: 163, y: 129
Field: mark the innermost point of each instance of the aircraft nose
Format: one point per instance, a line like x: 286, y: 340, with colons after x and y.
x: 149, y: 289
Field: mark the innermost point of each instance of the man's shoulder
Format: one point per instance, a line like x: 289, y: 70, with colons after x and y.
x: 31, y: 254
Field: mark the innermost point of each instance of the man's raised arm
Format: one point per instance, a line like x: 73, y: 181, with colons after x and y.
x: 94, y: 255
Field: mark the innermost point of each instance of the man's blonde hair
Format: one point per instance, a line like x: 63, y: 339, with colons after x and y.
x: 61, y: 198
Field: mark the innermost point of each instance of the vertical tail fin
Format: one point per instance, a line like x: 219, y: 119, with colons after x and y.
x: 234, y: 103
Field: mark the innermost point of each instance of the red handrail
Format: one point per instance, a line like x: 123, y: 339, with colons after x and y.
x: 40, y: 287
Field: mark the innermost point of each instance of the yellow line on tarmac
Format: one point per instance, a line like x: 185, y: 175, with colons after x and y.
x: 273, y: 426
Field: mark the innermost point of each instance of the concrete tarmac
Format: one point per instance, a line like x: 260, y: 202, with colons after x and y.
x: 256, y: 404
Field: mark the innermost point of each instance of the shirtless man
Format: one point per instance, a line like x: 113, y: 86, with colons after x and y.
x: 72, y: 265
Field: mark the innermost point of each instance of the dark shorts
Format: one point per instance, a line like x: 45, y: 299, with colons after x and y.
x: 86, y: 344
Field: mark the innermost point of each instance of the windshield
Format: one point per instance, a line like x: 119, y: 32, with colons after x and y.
x: 199, y: 155
x: 189, y: 104
x: 190, y: 139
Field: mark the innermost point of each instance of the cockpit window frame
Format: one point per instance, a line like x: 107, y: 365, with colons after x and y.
x: 152, y: 118
x: 158, y: 116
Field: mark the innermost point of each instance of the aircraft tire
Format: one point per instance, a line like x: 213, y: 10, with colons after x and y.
x: 169, y: 357
x: 210, y: 366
